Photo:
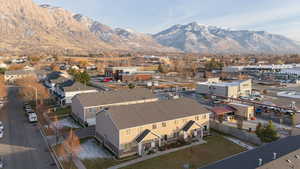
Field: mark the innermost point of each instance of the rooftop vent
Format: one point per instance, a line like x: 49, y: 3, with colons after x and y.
x: 260, y: 161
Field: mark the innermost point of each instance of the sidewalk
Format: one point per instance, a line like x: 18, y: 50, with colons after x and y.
x: 239, y: 142
x: 147, y: 157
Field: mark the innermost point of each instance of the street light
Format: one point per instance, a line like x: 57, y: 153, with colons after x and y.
x: 34, y: 88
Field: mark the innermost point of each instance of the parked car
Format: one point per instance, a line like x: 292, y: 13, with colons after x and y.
x: 1, y: 133
x: 1, y: 126
x: 32, y: 117
x: 1, y: 162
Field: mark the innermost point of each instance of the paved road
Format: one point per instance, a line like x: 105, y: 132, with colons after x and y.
x: 22, y: 146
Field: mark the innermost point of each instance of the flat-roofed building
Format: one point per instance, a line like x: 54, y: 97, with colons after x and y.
x: 139, y: 128
x: 227, y: 89
x: 243, y: 110
x: 85, y: 106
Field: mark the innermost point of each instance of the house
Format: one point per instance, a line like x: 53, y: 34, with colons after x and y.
x: 226, y: 89
x: 64, y: 88
x: 85, y: 106
x: 281, y: 154
x: 138, y: 128
x: 13, y: 75
x: 68, y: 89
x: 53, y: 79
x: 3, y: 65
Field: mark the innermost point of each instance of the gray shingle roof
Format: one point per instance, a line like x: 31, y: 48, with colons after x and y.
x: 76, y: 86
x: 284, y: 148
x: 119, y: 96
x: 129, y: 116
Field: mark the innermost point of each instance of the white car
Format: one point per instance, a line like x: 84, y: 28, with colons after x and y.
x: 1, y: 126
x: 1, y: 133
x: 1, y: 162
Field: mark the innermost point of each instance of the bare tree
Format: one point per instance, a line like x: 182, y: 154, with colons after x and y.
x: 16, y: 67
x: 3, y: 89
x: 28, y: 86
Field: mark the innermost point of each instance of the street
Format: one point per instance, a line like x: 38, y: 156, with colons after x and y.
x: 22, y: 146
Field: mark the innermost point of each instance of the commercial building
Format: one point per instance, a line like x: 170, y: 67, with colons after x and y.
x: 226, y: 89
x: 243, y: 110
x: 139, y: 128
x: 233, y: 111
x: 128, y: 73
x: 118, y: 72
x: 85, y: 106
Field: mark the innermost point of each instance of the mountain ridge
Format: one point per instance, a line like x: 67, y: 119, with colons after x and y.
x: 198, y: 38
x: 26, y: 27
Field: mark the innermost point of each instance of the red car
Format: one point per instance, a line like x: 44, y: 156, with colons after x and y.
x: 107, y: 79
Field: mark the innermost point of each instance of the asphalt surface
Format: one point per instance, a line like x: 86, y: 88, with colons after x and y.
x: 22, y: 146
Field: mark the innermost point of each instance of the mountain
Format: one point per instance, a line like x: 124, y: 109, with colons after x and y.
x: 198, y: 38
x: 26, y: 27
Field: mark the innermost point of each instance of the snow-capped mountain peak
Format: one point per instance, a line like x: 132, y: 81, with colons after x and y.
x: 198, y: 38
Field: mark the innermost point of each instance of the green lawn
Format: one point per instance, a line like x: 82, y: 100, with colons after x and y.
x: 103, y: 163
x: 216, y: 149
x: 62, y: 112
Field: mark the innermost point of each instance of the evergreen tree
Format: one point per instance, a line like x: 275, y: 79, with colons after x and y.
x: 267, y: 133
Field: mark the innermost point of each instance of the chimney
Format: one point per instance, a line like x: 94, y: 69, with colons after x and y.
x: 274, y: 156
x: 260, y: 161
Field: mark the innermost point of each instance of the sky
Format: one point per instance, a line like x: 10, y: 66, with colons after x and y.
x: 153, y: 16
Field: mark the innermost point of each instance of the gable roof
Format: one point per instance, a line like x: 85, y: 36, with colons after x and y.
x: 129, y: 116
x: 188, y: 125
x: 249, y: 159
x: 119, y: 96
x: 70, y: 86
x: 142, y: 136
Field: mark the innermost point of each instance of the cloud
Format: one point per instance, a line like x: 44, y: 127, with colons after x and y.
x: 256, y: 17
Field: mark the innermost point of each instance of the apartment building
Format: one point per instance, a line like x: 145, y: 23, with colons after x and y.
x: 139, y: 128
x: 86, y: 106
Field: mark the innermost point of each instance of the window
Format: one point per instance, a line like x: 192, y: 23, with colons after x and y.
x: 140, y: 129
x: 154, y: 126
x: 197, y: 118
x: 163, y: 124
x: 128, y: 132
x: 205, y: 128
x: 176, y: 122
x: 204, y: 116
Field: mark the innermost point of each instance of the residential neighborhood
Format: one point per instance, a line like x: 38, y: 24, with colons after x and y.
x: 166, y: 85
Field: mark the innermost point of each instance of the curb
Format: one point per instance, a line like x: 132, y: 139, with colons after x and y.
x: 53, y: 155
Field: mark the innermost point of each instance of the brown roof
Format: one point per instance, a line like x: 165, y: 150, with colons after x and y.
x: 118, y: 96
x: 221, y: 110
x: 146, y: 113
